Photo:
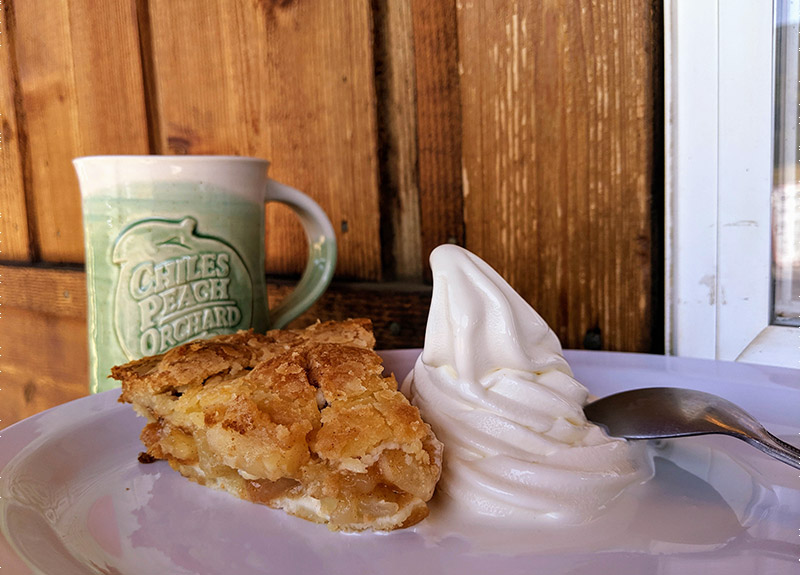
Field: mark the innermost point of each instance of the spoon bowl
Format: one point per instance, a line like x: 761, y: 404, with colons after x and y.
x: 662, y: 412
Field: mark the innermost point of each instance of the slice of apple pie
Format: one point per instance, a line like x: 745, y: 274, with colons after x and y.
x: 301, y: 420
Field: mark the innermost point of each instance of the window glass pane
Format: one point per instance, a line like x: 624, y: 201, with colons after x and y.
x: 786, y: 188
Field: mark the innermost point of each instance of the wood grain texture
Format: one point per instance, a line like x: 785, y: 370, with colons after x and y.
x: 439, y: 127
x: 81, y: 89
x: 558, y: 155
x: 397, y: 142
x: 14, y: 233
x: 43, y: 335
x: 44, y: 362
x: 291, y: 82
x: 48, y: 99
x: 51, y: 291
x: 43, y: 340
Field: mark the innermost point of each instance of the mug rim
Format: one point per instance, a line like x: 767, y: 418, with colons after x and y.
x: 170, y: 157
x: 240, y: 174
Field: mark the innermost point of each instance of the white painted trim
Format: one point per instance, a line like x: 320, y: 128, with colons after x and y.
x: 719, y: 110
x: 775, y: 345
x: 691, y: 202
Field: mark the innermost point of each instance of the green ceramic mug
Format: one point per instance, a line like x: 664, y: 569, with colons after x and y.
x: 175, y: 252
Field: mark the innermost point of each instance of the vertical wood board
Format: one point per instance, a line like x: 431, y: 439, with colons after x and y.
x: 81, y: 91
x: 108, y: 77
x: 439, y: 127
x: 14, y: 234
x: 49, y: 102
x: 397, y: 142
x: 292, y: 83
x: 558, y: 124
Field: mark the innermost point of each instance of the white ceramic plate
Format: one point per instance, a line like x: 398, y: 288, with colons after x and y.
x: 75, y: 500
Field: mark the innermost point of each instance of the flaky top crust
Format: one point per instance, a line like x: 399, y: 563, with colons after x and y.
x: 306, y: 412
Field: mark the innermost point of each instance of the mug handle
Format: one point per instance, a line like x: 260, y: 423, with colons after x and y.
x: 321, y: 253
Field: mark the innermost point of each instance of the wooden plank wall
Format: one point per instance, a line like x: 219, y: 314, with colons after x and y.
x: 526, y: 132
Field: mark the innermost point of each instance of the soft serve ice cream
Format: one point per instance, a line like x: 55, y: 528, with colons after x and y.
x: 493, y: 384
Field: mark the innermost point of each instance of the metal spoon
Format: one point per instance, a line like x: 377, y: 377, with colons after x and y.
x: 659, y: 412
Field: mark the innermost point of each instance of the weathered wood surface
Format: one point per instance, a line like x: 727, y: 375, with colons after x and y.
x: 439, y: 96
x: 527, y: 132
x: 401, y: 238
x: 79, y: 92
x: 45, y: 362
x: 14, y: 241
x: 558, y: 112
x: 44, y: 358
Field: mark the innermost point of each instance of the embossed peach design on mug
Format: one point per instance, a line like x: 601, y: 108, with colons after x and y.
x: 175, y: 251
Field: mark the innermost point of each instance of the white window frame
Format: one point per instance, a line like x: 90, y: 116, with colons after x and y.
x: 719, y: 125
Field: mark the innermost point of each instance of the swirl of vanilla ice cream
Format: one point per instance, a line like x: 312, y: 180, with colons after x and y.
x: 494, y: 386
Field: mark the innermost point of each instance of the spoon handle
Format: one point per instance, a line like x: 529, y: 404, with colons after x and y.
x: 778, y: 449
